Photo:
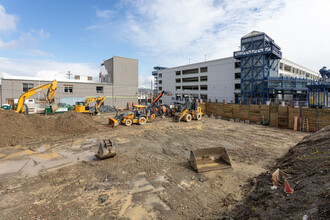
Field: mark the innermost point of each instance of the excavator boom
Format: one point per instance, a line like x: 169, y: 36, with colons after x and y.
x: 50, y: 94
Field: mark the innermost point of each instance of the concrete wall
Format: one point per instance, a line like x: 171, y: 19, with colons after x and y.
x: 13, y: 89
x: 220, y: 80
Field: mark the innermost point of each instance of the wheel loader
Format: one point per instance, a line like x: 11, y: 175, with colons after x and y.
x: 189, y: 112
x: 138, y: 116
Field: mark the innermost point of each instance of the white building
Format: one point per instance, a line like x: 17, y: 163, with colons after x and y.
x: 215, y: 79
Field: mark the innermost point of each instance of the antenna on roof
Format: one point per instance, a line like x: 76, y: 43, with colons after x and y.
x: 69, y: 74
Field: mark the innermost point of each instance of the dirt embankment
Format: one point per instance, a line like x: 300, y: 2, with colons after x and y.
x: 308, y: 164
x: 15, y: 127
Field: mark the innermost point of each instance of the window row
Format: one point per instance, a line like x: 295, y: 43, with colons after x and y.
x: 195, y: 87
x: 191, y: 71
x: 191, y: 79
x: 66, y: 88
x: 294, y: 70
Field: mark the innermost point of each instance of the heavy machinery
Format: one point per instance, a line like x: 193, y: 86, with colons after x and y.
x: 188, y: 112
x: 22, y: 108
x: 208, y: 159
x: 85, y: 108
x: 139, y: 116
x: 158, y: 109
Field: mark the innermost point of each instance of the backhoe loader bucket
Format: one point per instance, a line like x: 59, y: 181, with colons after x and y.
x: 107, y: 149
x: 113, y: 122
x: 208, y: 159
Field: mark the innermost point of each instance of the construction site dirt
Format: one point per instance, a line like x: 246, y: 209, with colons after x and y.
x: 52, y: 172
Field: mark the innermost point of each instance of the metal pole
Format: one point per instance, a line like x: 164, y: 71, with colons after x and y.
x: 317, y: 119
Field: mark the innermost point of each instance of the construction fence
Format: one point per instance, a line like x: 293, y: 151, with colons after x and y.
x: 286, y: 117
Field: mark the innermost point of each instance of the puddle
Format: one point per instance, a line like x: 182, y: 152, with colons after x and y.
x: 30, y: 163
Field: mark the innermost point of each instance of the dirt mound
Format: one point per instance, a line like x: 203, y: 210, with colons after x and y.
x: 308, y: 164
x: 16, y: 127
x: 73, y: 122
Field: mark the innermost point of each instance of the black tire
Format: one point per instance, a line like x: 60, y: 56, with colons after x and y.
x: 142, y: 121
x: 128, y: 122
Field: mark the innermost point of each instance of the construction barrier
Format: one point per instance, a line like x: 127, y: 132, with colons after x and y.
x: 306, y: 119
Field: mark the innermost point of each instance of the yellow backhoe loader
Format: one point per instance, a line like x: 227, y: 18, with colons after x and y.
x: 189, y: 112
x: 22, y: 108
x: 85, y: 108
x: 139, y: 116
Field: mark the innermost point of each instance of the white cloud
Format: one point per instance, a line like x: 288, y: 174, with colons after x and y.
x: 104, y: 13
x: 145, y: 81
x: 46, y: 69
x: 7, y: 45
x: 37, y: 53
x: 7, y: 21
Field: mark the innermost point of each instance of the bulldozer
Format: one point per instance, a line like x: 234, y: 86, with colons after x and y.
x: 85, y: 108
x: 188, y: 112
x: 138, y: 116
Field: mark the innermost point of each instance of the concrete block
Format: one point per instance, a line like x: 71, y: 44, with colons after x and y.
x: 237, y: 120
x: 258, y: 123
x: 232, y: 120
x: 247, y: 122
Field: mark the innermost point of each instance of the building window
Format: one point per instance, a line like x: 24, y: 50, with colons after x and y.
x: 27, y: 86
x: 160, y: 88
x: 308, y: 74
x: 89, y: 78
x: 204, y: 97
x: 178, y: 73
x: 68, y: 88
x: 237, y: 65
x: 190, y: 79
x: 177, y: 80
x: 160, y: 81
x: 203, y: 87
x: 203, y: 78
x: 281, y: 66
x: 287, y: 68
x: 185, y: 88
x: 160, y: 75
x: 178, y: 88
x: 237, y: 75
x: 203, y: 69
x: 190, y: 71
x: 237, y: 86
x: 177, y: 96
x: 99, y: 89
x: 77, y: 77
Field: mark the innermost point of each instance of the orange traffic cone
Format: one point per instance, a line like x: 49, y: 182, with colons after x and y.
x: 287, y: 188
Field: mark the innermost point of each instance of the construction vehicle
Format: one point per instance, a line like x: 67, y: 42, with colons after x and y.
x: 85, y: 108
x: 188, y: 112
x: 139, y: 116
x: 158, y: 109
x: 22, y: 108
x: 208, y: 159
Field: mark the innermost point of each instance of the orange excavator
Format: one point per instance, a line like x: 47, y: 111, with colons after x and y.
x: 158, y: 109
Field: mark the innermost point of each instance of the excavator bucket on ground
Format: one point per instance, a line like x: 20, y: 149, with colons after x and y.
x: 107, y: 149
x: 113, y: 122
x: 208, y: 159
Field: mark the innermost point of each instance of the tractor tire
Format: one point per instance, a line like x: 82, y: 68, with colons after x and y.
x: 198, y: 116
x: 153, y: 116
x: 128, y: 122
x: 142, y: 121
x: 187, y: 117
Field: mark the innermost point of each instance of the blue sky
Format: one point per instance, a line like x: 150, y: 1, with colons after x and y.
x: 48, y: 38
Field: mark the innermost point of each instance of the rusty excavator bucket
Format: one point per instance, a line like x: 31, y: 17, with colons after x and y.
x: 107, y: 149
x: 208, y: 159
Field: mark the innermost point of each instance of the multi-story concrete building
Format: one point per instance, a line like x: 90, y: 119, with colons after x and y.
x: 118, y: 81
x: 218, y: 79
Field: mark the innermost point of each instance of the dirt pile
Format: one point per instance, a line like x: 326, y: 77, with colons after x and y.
x: 15, y: 127
x: 308, y: 164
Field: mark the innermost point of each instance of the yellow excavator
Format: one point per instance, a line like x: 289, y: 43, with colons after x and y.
x: 84, y: 107
x: 22, y: 108
x: 139, y: 116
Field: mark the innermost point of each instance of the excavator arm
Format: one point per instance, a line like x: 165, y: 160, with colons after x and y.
x: 50, y: 94
x: 99, y: 101
x: 161, y: 95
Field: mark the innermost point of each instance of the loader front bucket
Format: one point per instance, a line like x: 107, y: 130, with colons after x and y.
x: 107, y: 149
x: 113, y: 122
x: 208, y: 159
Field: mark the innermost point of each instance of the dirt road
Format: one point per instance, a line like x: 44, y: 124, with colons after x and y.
x: 59, y: 176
